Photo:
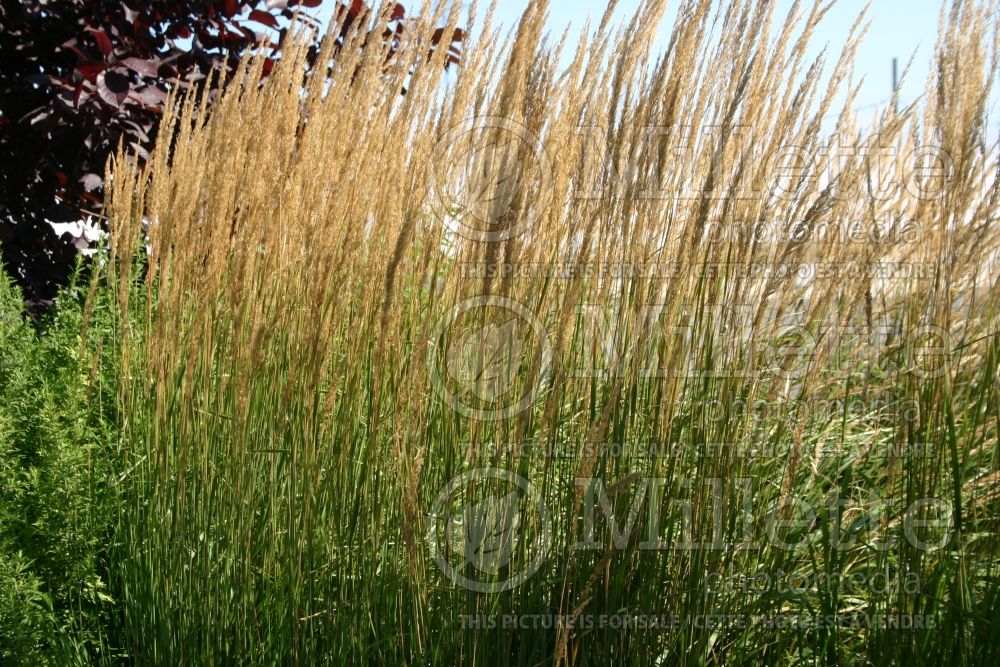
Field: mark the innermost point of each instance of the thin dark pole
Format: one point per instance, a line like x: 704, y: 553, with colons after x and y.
x: 895, y: 83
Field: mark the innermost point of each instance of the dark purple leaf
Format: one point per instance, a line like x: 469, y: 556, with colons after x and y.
x: 264, y: 18
x: 151, y: 96
x: 140, y: 66
x: 90, y: 70
x: 167, y: 71
x: 113, y: 87
x: 103, y: 42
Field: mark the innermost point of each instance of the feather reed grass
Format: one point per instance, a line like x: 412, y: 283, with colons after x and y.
x: 319, y: 250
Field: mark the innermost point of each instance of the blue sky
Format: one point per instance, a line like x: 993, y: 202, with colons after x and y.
x: 899, y: 28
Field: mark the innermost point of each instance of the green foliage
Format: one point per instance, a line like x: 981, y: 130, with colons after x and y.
x: 55, y: 484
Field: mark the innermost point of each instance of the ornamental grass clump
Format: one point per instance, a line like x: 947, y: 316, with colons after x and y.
x: 615, y: 278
